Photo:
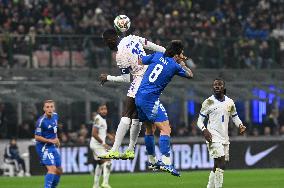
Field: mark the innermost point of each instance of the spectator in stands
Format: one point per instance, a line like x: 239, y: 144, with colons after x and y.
x: 271, y: 124
x: 12, y: 155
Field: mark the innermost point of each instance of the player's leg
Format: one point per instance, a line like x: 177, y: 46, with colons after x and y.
x: 106, y: 173
x: 123, y: 126
x: 149, y: 140
x: 135, y: 128
x: 98, y: 173
x: 216, y: 151
x: 219, y: 171
x: 57, y: 160
x: 50, y: 176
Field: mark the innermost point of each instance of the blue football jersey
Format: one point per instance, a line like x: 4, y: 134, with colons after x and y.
x: 160, y: 72
x: 47, y: 127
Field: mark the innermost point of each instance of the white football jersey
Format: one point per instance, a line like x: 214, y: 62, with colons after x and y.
x: 101, y: 124
x: 130, y: 48
x: 218, y: 113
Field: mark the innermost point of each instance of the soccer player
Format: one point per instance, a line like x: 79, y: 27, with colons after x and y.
x: 99, y: 147
x: 218, y: 108
x: 128, y: 50
x: 47, y: 143
x: 162, y: 68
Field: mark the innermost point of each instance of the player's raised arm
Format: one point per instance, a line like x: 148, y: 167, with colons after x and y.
x: 200, y: 122
x: 184, y: 71
x: 151, y: 46
x: 146, y: 60
x: 236, y: 119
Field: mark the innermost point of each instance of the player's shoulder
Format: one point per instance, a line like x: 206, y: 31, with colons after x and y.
x: 209, y: 101
x: 41, y: 119
x: 228, y: 99
x: 98, y: 118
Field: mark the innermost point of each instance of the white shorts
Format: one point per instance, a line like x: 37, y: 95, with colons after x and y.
x: 134, y: 86
x: 98, y: 150
x: 217, y: 149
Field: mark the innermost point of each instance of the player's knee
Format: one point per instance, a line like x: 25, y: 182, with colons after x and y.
x: 165, y: 130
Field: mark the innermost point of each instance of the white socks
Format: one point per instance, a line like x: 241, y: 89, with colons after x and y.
x: 166, y: 160
x: 219, y: 175
x: 152, y: 159
x: 107, y: 169
x: 122, y: 129
x: 98, y: 173
x: 134, y: 133
x: 211, y: 181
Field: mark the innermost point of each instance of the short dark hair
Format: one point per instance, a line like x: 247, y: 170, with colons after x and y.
x: 109, y: 33
x: 174, y: 48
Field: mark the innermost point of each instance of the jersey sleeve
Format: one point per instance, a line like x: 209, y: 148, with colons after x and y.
x: 180, y: 71
x: 39, y: 126
x: 150, y: 45
x: 203, y: 114
x: 234, y: 115
x: 96, y: 123
x: 146, y: 60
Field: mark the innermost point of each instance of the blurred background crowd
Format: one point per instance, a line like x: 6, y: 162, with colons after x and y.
x: 217, y: 34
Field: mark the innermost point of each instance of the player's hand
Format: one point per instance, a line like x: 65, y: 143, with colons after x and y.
x: 55, y: 141
x: 242, y: 129
x: 103, y: 78
x: 207, y: 135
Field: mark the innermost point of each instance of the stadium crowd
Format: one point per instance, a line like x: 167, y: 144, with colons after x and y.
x: 218, y: 34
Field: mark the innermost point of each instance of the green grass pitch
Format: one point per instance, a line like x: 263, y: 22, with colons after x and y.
x: 260, y: 178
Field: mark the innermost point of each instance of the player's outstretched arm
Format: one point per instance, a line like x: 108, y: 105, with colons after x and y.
x: 236, y: 120
x: 185, y: 72
x: 122, y: 78
x: 151, y: 46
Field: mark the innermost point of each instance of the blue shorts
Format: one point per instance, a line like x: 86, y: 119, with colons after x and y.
x: 49, y: 156
x: 152, y: 111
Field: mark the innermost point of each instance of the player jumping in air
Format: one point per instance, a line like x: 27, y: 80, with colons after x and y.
x: 162, y: 68
x: 218, y: 108
x: 99, y: 147
x: 128, y: 50
x: 47, y: 143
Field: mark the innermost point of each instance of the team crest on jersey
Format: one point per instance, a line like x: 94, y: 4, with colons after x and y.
x: 97, y: 121
x: 210, y: 102
x: 231, y: 108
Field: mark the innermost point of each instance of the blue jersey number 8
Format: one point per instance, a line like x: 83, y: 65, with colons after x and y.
x: 155, y: 73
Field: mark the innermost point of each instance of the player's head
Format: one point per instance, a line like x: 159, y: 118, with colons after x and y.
x: 219, y: 87
x: 102, y: 109
x: 111, y: 38
x: 175, y: 50
x: 13, y: 141
x: 48, y: 107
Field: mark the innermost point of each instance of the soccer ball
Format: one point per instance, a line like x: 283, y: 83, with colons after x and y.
x: 122, y: 23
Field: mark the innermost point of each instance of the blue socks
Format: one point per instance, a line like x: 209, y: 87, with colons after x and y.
x: 55, y: 180
x: 150, y: 144
x: 165, y: 145
x: 51, y: 180
x: 48, y: 180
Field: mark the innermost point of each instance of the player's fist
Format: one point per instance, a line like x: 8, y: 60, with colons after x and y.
x: 103, y: 78
x: 207, y: 135
x: 55, y: 141
x: 242, y: 129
